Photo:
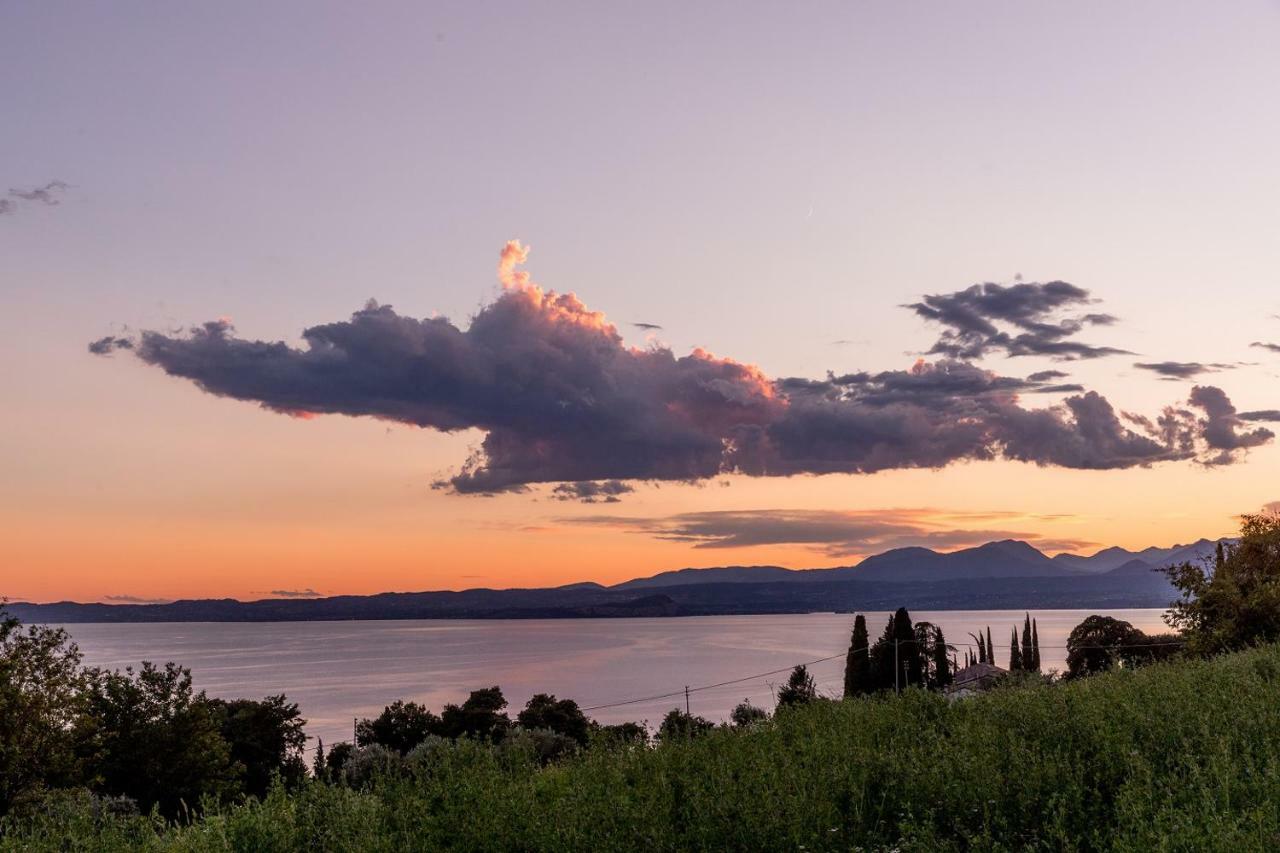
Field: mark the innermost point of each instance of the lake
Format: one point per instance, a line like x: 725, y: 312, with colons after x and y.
x: 337, y: 671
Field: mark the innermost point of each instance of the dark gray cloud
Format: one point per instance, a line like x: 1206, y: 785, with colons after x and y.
x: 1047, y: 375
x: 47, y: 194
x: 1221, y: 427
x: 1176, y: 370
x: 831, y: 532
x: 948, y: 411
x: 135, y: 599
x: 109, y: 344
x: 590, y: 492
x: 1266, y: 346
x: 561, y: 399
x: 1018, y: 320
x: 1261, y: 415
x: 648, y: 327
x: 296, y: 593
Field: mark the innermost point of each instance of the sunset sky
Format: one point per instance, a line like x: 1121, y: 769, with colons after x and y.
x: 770, y: 217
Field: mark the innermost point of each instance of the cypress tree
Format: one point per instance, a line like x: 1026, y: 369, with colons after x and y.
x: 941, y: 663
x: 982, y: 648
x: 1015, y: 654
x: 882, y: 672
x: 1028, y: 655
x: 1035, y: 645
x: 910, y: 655
x: 991, y: 648
x: 318, y: 769
x: 857, y: 663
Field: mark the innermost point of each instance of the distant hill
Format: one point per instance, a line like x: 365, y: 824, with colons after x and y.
x: 725, y: 574
x: 1111, y: 558
x: 1005, y: 574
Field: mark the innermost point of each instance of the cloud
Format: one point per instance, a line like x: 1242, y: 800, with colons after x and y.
x: 1047, y: 375
x: 1032, y: 312
x: 834, y: 533
x: 296, y: 593
x: 561, y: 399
x: 589, y: 492
x: 648, y: 327
x: 1266, y: 346
x: 134, y: 599
x: 47, y: 194
x: 1221, y: 426
x: 109, y: 344
x: 1260, y: 415
x: 1176, y: 370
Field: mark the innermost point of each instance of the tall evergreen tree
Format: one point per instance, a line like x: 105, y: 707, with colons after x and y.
x: 882, y: 663
x: 1015, y: 653
x: 982, y: 648
x: 1035, y: 645
x: 318, y: 768
x: 991, y: 648
x: 911, y: 653
x: 857, y: 663
x: 1028, y: 654
x: 941, y: 661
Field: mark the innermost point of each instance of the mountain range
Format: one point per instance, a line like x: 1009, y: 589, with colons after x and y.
x: 998, y: 575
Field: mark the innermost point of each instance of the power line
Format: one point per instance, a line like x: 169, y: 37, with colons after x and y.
x: 1114, y: 648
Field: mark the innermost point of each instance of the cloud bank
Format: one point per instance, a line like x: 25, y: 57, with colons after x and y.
x: 561, y: 399
x: 834, y: 533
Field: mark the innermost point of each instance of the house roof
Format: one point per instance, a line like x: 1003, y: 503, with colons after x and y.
x: 975, y: 673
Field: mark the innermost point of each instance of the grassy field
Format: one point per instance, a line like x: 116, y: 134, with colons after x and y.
x: 1180, y: 756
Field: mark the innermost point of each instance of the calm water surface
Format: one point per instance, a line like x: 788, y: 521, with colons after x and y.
x: 339, y: 670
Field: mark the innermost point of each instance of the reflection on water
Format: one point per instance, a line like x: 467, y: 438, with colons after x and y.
x: 340, y: 670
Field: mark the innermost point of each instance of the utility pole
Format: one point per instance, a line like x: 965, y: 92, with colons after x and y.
x: 897, y: 688
x: 686, y: 700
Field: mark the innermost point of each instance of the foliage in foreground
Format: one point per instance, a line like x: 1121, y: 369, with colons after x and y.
x: 1182, y: 755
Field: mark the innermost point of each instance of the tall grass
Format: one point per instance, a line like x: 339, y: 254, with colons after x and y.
x: 1180, y: 756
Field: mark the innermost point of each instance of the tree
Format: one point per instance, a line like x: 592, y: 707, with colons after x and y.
x: 1098, y: 643
x: 940, y: 677
x: 1235, y: 602
x: 1028, y: 648
x: 561, y: 716
x: 401, y: 726
x: 898, y: 659
x: 1035, y: 646
x: 746, y: 714
x: 266, y: 738
x: 857, y: 663
x: 336, y: 761
x: 981, y: 642
x: 882, y: 659
x: 991, y: 647
x: 799, y: 689
x: 679, y: 725
x: 151, y: 737
x: 629, y: 734
x: 1015, y: 654
x: 41, y: 697
x: 480, y: 716
x: 319, y: 770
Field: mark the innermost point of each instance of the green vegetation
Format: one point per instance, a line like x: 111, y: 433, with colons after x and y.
x: 1174, y: 756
